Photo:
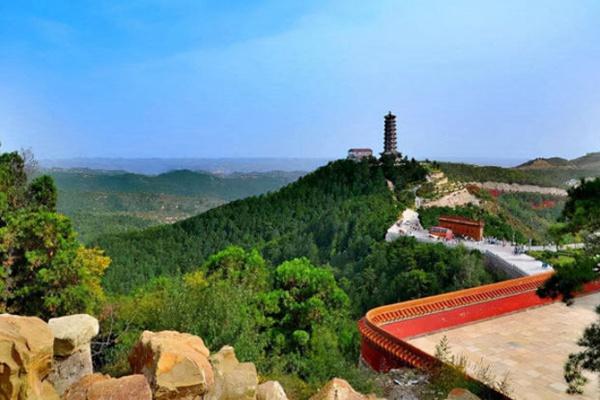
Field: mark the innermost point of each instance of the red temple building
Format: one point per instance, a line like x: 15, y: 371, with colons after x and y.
x: 461, y: 226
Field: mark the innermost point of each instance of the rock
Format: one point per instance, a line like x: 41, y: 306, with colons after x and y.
x: 404, y: 384
x: 233, y: 380
x: 461, y: 394
x: 79, y: 390
x: 68, y: 370
x: 26, y: 345
x: 339, y: 389
x: 72, y: 349
x: 72, y: 332
x: 175, y: 364
x: 133, y: 387
x: 103, y: 387
x: 270, y: 390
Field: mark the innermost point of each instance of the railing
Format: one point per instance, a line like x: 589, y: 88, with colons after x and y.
x: 384, y: 329
x: 460, y: 298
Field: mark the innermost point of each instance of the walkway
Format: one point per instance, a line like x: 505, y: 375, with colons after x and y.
x: 531, y: 345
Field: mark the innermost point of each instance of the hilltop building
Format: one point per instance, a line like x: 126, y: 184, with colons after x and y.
x: 389, y: 135
x: 463, y: 226
x: 389, y: 141
x: 359, y: 153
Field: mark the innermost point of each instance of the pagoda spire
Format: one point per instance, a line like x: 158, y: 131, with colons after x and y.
x: 389, y: 134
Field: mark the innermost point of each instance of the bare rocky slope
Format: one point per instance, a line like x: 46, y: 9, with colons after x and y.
x: 518, y: 188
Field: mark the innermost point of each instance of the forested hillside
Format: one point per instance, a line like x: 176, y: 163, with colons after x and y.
x: 284, y: 276
x: 308, y: 260
x: 332, y: 215
x: 337, y: 215
x: 104, y: 202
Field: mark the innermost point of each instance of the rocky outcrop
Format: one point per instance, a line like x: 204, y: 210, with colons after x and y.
x: 460, y: 197
x: 72, y: 349
x: 25, y: 359
x: 167, y: 365
x: 233, y: 380
x: 339, y: 389
x: 517, y: 188
x: 175, y: 364
x: 461, y: 394
x: 270, y: 390
x: 103, y: 387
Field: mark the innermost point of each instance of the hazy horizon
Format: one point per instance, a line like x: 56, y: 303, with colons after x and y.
x: 158, y: 165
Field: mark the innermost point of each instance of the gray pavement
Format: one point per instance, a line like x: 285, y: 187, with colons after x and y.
x: 518, y: 264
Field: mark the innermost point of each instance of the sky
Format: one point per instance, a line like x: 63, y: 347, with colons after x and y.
x: 307, y: 78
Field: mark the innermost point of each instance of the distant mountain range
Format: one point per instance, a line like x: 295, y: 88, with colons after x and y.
x: 590, y: 161
x: 155, y: 166
x: 178, y: 182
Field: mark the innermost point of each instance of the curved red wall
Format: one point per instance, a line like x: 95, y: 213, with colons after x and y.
x: 384, y: 329
x: 463, y: 315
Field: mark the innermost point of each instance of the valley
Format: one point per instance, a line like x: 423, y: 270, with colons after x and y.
x: 104, y: 202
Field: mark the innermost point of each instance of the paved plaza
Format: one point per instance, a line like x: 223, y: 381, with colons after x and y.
x: 531, y: 346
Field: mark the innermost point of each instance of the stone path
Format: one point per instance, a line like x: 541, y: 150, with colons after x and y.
x: 530, y: 345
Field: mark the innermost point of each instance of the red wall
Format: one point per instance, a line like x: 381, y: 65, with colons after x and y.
x: 475, y: 232
x: 377, y: 359
x: 464, y: 314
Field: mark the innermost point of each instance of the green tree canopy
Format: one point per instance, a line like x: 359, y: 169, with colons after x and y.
x: 293, y: 319
x: 582, y: 210
x: 45, y: 271
x: 331, y: 216
x: 581, y: 215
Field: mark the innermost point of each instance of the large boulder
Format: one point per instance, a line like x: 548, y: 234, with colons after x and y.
x: 79, y: 390
x: 103, y: 387
x: 175, y: 364
x: 72, y: 332
x: 233, y: 380
x: 339, y: 389
x: 270, y: 390
x: 72, y: 349
x: 25, y: 359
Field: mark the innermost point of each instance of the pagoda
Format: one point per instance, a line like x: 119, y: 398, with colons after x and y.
x: 389, y: 135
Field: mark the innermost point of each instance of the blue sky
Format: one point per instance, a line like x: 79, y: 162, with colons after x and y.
x: 177, y: 78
